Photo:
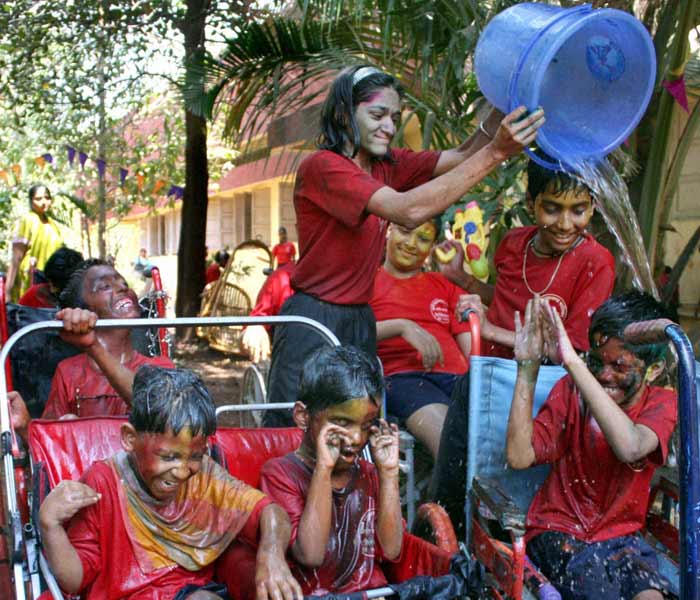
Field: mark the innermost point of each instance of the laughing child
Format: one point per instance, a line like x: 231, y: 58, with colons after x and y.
x: 150, y: 521
x: 604, y: 428
x: 345, y: 511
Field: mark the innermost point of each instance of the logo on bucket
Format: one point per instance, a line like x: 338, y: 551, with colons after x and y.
x: 604, y: 58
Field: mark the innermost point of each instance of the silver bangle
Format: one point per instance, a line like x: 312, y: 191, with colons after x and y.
x: 483, y: 130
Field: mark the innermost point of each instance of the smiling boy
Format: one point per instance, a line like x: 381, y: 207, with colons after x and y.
x: 149, y: 522
x: 604, y: 428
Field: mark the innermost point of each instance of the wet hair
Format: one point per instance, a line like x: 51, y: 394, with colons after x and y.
x: 540, y: 180
x: 60, y: 266
x: 333, y: 375
x: 171, y: 399
x: 72, y: 294
x: 616, y: 313
x: 33, y: 190
x: 338, y: 125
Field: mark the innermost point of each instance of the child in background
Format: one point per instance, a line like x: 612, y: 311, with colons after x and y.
x: 57, y: 271
x: 345, y: 511
x: 285, y: 252
x: 604, y: 429
x: 149, y: 522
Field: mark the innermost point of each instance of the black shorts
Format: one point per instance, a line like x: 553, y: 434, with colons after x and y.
x: 616, y: 569
x: 408, y: 392
x: 215, y: 588
x: 353, y: 325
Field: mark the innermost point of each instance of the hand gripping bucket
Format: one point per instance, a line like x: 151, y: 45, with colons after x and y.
x: 592, y: 71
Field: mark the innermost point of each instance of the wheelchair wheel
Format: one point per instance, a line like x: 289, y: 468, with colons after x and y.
x: 254, y: 391
x: 433, y: 524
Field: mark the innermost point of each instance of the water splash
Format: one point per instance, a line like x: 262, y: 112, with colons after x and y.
x: 613, y: 203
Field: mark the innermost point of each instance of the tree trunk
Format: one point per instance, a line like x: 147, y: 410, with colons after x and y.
x: 191, y: 252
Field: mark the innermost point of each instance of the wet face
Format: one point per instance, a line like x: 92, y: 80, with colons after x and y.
x: 407, y: 249
x: 106, y: 293
x: 617, y: 369
x: 561, y: 218
x: 357, y: 416
x: 377, y: 120
x: 41, y: 201
x: 165, y: 461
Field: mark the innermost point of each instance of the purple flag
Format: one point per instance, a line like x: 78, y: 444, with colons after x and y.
x: 179, y: 192
x: 677, y: 90
x: 101, y: 164
x: 122, y: 175
x: 82, y: 157
x: 48, y: 157
x: 71, y: 154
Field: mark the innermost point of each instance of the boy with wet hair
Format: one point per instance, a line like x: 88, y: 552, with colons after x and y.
x: 150, y: 521
x: 345, y: 511
x: 604, y: 428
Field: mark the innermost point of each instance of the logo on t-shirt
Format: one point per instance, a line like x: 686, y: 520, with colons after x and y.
x: 557, y: 302
x: 440, y: 311
x: 365, y: 533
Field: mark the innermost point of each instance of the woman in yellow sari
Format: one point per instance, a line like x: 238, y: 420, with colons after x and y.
x: 37, y: 238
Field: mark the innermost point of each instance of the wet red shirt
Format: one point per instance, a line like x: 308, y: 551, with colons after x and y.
x: 429, y: 300
x: 110, y: 568
x: 583, y: 282
x: 38, y: 296
x: 79, y: 387
x: 352, y: 553
x: 212, y: 273
x: 340, y: 244
x: 590, y: 493
x: 284, y: 253
x: 276, y: 289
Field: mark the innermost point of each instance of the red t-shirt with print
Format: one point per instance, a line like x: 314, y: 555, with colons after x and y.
x: 429, y: 300
x: 340, y: 244
x: 583, y: 281
x: 590, y: 493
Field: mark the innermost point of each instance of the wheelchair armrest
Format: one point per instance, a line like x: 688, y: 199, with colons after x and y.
x: 504, y: 510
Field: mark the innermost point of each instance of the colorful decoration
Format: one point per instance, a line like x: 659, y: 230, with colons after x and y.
x: 158, y: 185
x: 122, y: 175
x: 82, y: 158
x: 71, y: 154
x: 469, y: 231
x: 101, y: 166
x: 677, y: 89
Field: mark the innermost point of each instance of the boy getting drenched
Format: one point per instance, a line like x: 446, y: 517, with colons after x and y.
x: 345, y: 511
x: 604, y: 429
x: 149, y: 522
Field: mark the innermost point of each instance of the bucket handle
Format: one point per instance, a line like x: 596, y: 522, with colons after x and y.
x: 513, y: 85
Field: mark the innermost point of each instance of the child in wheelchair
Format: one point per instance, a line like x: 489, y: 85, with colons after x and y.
x: 151, y: 520
x: 604, y: 429
x: 345, y: 511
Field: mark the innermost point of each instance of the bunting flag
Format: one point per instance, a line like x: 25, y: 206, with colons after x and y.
x: 139, y: 181
x: 40, y: 161
x: 82, y: 157
x: 5, y: 176
x: 101, y: 166
x: 48, y: 157
x: 71, y: 154
x: 17, y: 171
x: 158, y: 185
x: 177, y: 191
x: 677, y: 89
x: 122, y: 175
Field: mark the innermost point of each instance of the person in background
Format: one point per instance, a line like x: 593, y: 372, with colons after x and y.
x: 37, y: 237
x: 284, y: 252
x: 57, y: 271
x: 214, y: 270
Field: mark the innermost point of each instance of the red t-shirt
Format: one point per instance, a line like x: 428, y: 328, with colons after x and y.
x: 590, y: 493
x: 110, y: 568
x: 212, y: 273
x: 583, y: 282
x: 38, y: 296
x: 429, y: 300
x: 79, y: 387
x: 284, y: 253
x: 340, y: 243
x: 352, y: 552
x: 276, y: 289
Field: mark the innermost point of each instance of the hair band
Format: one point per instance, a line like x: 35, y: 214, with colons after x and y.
x: 363, y: 72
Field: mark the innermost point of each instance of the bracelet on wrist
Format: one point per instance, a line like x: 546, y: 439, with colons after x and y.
x: 483, y: 130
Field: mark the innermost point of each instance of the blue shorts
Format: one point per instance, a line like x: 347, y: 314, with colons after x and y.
x: 616, y: 569
x: 408, y: 392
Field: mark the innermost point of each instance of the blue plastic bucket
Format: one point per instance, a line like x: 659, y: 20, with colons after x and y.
x: 592, y: 71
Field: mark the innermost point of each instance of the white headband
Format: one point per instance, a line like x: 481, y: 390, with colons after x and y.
x: 363, y: 72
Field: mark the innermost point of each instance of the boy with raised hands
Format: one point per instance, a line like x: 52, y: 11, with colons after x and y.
x: 604, y: 429
x: 345, y: 511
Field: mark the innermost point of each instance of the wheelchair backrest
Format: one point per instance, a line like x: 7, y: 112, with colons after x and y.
x: 491, y: 384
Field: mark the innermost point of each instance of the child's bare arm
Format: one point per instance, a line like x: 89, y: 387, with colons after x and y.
x: 273, y: 579
x: 520, y: 452
x: 629, y: 441
x: 384, y: 443
x: 424, y: 342
x: 60, y: 505
x: 309, y: 547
